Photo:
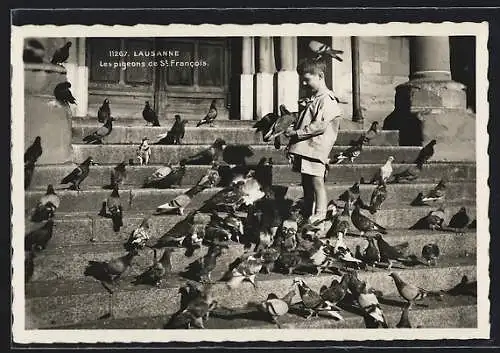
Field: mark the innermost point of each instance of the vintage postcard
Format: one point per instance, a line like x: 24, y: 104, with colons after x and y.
x: 250, y: 182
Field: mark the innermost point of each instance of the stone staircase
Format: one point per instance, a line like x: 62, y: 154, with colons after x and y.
x: 61, y: 296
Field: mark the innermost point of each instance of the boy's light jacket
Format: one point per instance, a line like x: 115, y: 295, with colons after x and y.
x: 317, y: 127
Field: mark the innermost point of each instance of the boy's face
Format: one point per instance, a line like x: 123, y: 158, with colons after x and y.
x: 313, y: 81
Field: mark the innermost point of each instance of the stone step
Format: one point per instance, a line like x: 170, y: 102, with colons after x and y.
x: 454, y: 312
x: 56, y: 303
x: 77, y: 228
x: 56, y: 263
x: 206, y: 135
x: 90, y: 199
x: 233, y: 154
x: 282, y: 174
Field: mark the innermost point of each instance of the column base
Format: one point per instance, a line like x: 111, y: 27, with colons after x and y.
x: 288, y: 90
x: 265, y: 93
x: 425, y: 94
x: 246, y: 96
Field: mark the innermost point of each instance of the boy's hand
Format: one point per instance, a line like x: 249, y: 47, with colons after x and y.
x: 290, y: 132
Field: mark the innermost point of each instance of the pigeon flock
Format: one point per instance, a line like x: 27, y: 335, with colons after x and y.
x: 251, y: 211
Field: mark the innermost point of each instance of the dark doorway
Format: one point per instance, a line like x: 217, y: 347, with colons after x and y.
x: 463, y: 65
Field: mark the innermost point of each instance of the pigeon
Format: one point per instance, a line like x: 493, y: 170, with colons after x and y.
x: 370, y: 306
x: 33, y: 152
x: 264, y: 124
x: 465, y: 287
x: 351, y: 194
x: 211, y: 115
x: 97, y: 136
x: 384, y: 172
x: 372, y: 131
x: 104, y: 112
x: 275, y: 307
x: 29, y: 265
x: 426, y: 153
x: 430, y: 252
x: 409, y: 174
x: 179, y: 203
x: 140, y: 236
x: 230, y: 225
x: 208, y: 156
x: 156, y: 272
x: 350, y: 153
x: 143, y: 152
x: 371, y: 254
x: 407, y: 291
x: 212, y: 178
x: 248, y: 267
x: 176, y: 133
x: 63, y: 94
x: 38, y: 239
x: 288, y: 235
x: 150, y: 115
x: 388, y: 252
x: 118, y: 175
x: 61, y: 55
x: 313, y: 303
x: 166, y: 177
x: 363, y: 223
x: 46, y: 206
x: 341, y: 225
x: 78, y: 175
x: 434, y: 220
x: 336, y: 292
x: 114, y: 268
x: 460, y: 220
x: 34, y: 52
x: 202, y: 268
x: 114, y: 206
x: 438, y: 193
x: 378, y: 197
x: 322, y: 49
x: 404, y: 321
x: 281, y: 124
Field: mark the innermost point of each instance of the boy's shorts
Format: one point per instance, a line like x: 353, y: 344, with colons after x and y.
x: 308, y: 166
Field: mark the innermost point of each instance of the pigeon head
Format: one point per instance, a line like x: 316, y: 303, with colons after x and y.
x: 355, y: 187
x: 298, y: 281
x: 283, y: 110
x: 147, y: 103
x: 177, y: 118
x: 66, y: 84
x: 433, y: 142
x: 378, y: 236
x: 50, y: 189
x: 272, y: 296
x: 68, y: 45
x: 390, y: 159
x: 375, y: 124
x: 38, y: 140
x: 462, y: 210
x: 106, y: 101
x: 219, y: 143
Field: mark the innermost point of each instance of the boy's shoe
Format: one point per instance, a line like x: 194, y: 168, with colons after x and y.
x: 316, y: 218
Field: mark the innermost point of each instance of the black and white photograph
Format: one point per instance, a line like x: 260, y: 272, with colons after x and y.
x: 250, y: 182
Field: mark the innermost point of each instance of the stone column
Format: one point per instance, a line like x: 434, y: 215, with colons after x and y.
x: 78, y: 76
x: 264, y: 78
x: 288, y: 78
x: 246, y: 78
x: 432, y: 106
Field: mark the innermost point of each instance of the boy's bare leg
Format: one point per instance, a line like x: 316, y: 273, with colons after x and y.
x: 318, y: 183
x: 308, y: 189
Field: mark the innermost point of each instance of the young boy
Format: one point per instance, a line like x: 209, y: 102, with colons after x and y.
x: 313, y: 136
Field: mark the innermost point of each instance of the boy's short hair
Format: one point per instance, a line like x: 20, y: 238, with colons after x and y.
x: 311, y: 66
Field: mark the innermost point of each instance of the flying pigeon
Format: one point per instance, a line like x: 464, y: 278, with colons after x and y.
x: 104, y: 112
x: 97, y: 136
x: 322, y: 49
x: 211, y: 115
x: 46, y: 206
x: 61, y: 55
x: 150, y: 115
x: 63, y: 94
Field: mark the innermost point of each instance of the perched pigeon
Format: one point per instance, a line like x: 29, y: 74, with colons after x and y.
x: 363, y: 223
x: 150, y: 115
x: 280, y: 125
x: 112, y: 270
x: 351, y: 194
x: 63, y: 94
x: 33, y: 152
x: 209, y: 155
x: 336, y: 292
x: 388, y: 252
x: 212, y: 178
x: 139, y: 236
x: 383, y: 173
x: 115, y: 209
x: 313, y: 303
x: 143, y: 152
x: 104, y: 112
x: 156, y: 272
x: 61, y: 55
x: 322, y: 49
x: 371, y: 254
x: 38, y: 239
x: 118, y: 175
x: 201, y: 269
x: 78, y: 175
x: 372, y: 131
x: 430, y: 252
x: 438, y: 193
x: 176, y: 133
x: 211, y: 115
x: 408, y: 174
x: 166, y: 177
x: 274, y: 306
x: 460, y: 220
x: 404, y: 321
x: 465, y: 287
x: 408, y: 291
x: 97, y: 136
x: 248, y: 267
x: 370, y: 306
x: 179, y: 203
x: 46, y: 206
x: 434, y: 220
x: 264, y: 124
x: 341, y: 225
x: 378, y: 197
x: 426, y: 153
x: 351, y: 153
